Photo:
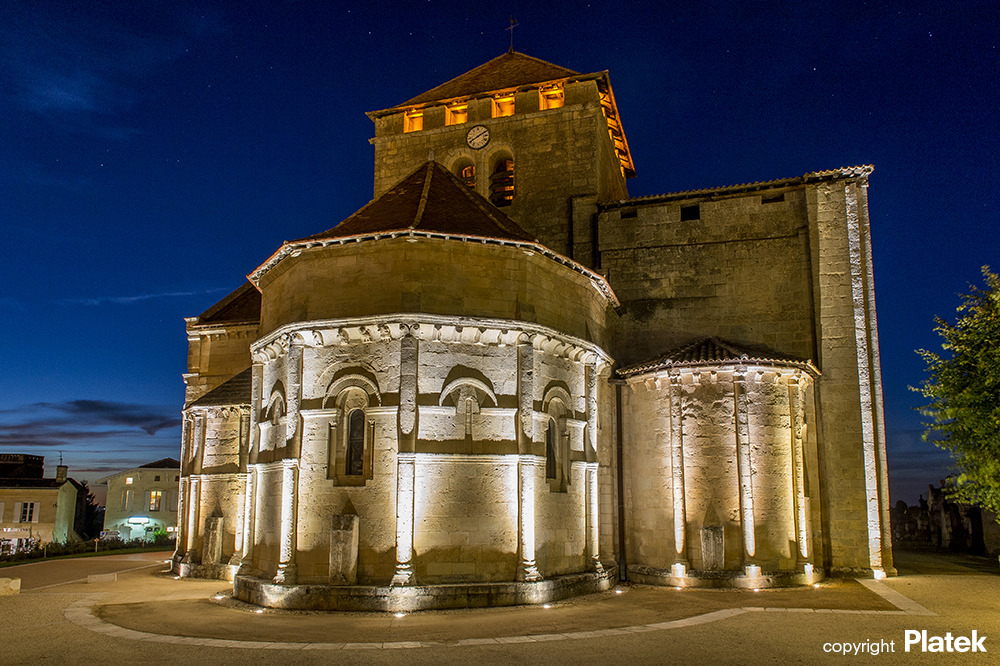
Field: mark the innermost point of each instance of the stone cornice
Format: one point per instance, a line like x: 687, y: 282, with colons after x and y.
x: 431, y: 328
x: 295, y: 248
x: 859, y: 173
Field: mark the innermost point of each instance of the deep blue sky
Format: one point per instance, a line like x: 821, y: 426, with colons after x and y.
x: 154, y: 153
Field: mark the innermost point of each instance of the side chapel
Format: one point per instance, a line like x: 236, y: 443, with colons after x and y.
x: 505, y: 381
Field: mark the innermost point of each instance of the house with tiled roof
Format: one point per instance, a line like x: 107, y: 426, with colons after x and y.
x: 35, y: 510
x: 506, y: 380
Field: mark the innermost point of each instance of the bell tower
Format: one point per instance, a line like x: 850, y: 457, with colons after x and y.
x: 541, y: 142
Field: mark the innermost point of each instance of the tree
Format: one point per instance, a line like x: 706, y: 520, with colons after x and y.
x: 92, y: 518
x: 963, y: 387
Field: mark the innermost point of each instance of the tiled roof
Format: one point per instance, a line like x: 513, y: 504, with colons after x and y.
x: 33, y: 483
x: 233, y: 391
x: 509, y: 70
x: 862, y: 171
x: 431, y: 199
x: 164, y: 463
x: 712, y: 351
x: 242, y: 305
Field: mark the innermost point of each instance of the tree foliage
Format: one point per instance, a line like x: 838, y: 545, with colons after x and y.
x: 963, y: 389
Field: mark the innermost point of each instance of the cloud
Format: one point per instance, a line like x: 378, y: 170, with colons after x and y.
x: 81, y: 66
x: 137, y: 298
x: 81, y: 422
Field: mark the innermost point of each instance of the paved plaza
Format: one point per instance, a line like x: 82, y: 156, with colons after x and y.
x: 126, y: 608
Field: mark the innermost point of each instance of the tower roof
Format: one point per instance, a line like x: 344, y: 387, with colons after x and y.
x: 509, y: 70
x: 431, y: 199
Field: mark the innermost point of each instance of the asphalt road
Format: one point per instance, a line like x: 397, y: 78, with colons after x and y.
x: 148, y: 617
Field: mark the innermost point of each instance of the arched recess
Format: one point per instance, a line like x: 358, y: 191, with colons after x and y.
x: 468, y: 395
x: 272, y: 420
x: 557, y: 406
x: 351, y: 437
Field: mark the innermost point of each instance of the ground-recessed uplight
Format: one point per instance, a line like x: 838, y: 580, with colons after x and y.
x: 177, y: 577
x: 815, y: 584
x: 400, y: 614
x: 677, y: 588
x: 220, y: 596
x: 546, y: 606
x: 618, y: 591
x: 259, y: 610
x: 756, y: 589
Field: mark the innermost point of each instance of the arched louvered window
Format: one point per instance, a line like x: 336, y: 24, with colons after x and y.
x: 502, y: 183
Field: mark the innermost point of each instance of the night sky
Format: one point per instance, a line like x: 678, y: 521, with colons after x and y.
x: 154, y: 153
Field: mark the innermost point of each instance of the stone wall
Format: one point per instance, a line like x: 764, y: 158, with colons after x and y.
x: 558, y: 154
x: 741, y: 272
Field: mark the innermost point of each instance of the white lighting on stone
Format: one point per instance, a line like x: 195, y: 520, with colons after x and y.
x: 808, y: 569
x: 678, y: 570
x: 879, y: 574
x: 752, y: 571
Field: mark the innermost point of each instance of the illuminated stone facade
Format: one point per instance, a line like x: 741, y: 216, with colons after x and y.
x: 504, y: 381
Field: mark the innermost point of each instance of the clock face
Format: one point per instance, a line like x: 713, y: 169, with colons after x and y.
x: 478, y: 137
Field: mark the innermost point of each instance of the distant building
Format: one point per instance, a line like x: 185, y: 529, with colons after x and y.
x: 34, y: 509
x: 142, y: 500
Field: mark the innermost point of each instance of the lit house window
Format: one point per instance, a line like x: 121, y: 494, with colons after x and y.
x: 28, y: 512
x: 502, y: 183
x: 155, y: 497
x: 551, y: 97
x: 468, y: 176
x: 413, y: 121
x: 456, y: 114
x: 128, y: 480
x: 503, y: 105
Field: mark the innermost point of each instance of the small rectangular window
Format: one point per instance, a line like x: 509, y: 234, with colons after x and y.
x: 156, y: 478
x: 503, y: 105
x: 128, y: 480
x: 551, y: 97
x: 413, y: 121
x: 456, y: 114
x: 690, y: 213
x: 155, y: 497
x: 775, y: 198
x: 28, y: 512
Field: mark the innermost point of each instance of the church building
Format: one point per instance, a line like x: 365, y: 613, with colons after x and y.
x: 505, y: 381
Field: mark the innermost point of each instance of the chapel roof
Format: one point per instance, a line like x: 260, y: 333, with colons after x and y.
x: 240, y: 306
x: 431, y: 199
x: 713, y: 351
x: 233, y: 391
x: 510, y: 70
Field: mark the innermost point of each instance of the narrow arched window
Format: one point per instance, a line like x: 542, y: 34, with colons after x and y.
x: 502, y: 183
x: 550, y: 450
x: 356, y: 442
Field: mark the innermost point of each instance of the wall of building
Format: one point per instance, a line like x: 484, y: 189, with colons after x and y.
x: 741, y: 272
x: 433, y: 276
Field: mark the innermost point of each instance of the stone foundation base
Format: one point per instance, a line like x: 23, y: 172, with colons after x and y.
x: 732, y: 579
x: 419, y: 597
x: 216, y: 571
